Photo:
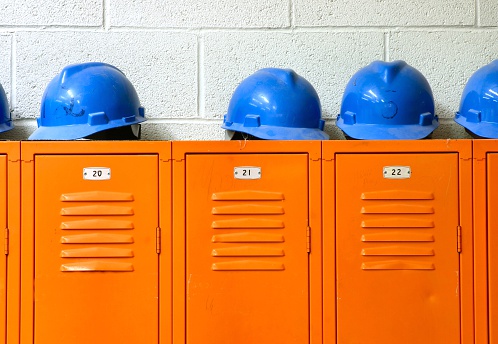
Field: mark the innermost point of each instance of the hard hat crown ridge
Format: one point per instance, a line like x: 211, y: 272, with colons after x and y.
x: 276, y: 104
x: 84, y: 99
x: 478, y: 111
x: 387, y: 101
x: 388, y: 70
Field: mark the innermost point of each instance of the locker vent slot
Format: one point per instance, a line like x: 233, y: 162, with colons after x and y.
x: 97, y: 238
x: 397, y: 209
x: 253, y: 219
x: 397, y: 236
x: 96, y: 252
x: 247, y: 223
x: 247, y: 251
x: 397, y: 224
x: 397, y: 251
x: 91, y: 210
x: 244, y: 209
x: 97, y: 224
x: 97, y: 266
x: 397, y: 265
x: 396, y: 195
x: 97, y: 196
x: 245, y: 265
x: 90, y: 247
x: 247, y: 195
x: 247, y: 237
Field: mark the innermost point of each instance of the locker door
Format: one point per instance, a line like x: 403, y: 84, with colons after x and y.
x: 96, y: 266
x: 3, y: 256
x: 492, y: 192
x: 397, y: 259
x: 247, y: 260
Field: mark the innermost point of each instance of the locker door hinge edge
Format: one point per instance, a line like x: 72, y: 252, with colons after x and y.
x: 6, y: 241
x: 459, y: 239
x: 158, y: 240
x: 308, y: 239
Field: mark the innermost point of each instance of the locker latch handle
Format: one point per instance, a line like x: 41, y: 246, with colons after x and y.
x: 459, y: 239
x: 308, y: 239
x: 158, y: 240
x: 6, y: 241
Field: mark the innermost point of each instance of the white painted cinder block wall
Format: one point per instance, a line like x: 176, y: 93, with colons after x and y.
x: 186, y: 57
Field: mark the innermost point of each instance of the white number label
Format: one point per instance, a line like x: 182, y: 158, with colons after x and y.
x: 397, y: 172
x: 247, y: 172
x: 96, y: 173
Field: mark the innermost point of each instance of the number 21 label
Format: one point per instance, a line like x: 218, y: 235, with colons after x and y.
x: 397, y: 172
x: 247, y: 172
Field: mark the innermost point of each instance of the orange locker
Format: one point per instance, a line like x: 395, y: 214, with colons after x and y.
x: 95, y: 242
x: 10, y: 174
x: 397, y: 242
x: 246, y: 242
x: 486, y: 240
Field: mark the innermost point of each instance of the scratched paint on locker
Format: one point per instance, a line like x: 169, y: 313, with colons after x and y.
x: 3, y: 256
x: 396, y: 239
x: 96, y: 265
x: 247, y: 260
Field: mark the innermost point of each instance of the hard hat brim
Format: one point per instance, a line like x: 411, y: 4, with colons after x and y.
x: 77, y: 131
x: 268, y: 132
x: 6, y: 126
x: 483, y: 129
x: 387, y: 132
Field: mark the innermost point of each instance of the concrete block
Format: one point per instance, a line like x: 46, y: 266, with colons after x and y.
x: 449, y: 129
x: 383, y: 12
x: 488, y: 13
x: 184, y: 130
x: 51, y: 12
x: 5, y: 62
x: 192, y: 13
x: 446, y: 58
x: 326, y: 59
x: 162, y: 66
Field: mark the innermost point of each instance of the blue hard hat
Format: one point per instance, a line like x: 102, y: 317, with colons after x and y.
x: 479, y: 103
x: 387, y: 101
x: 276, y: 104
x: 5, y: 119
x: 84, y: 99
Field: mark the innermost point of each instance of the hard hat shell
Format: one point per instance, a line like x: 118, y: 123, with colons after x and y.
x: 276, y: 104
x: 478, y: 110
x: 387, y: 101
x: 5, y: 119
x: 84, y: 99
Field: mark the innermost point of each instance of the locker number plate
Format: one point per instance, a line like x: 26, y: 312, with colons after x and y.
x: 397, y: 172
x: 96, y: 173
x: 247, y: 172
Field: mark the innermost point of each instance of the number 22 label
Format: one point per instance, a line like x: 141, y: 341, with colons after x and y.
x: 396, y: 172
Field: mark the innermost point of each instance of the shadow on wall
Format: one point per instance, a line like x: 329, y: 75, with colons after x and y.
x: 447, y: 129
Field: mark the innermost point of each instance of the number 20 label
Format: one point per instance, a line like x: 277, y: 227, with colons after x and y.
x: 397, y: 172
x: 96, y: 173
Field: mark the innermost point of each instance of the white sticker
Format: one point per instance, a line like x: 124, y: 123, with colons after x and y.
x: 397, y: 172
x: 96, y: 173
x: 247, y: 172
